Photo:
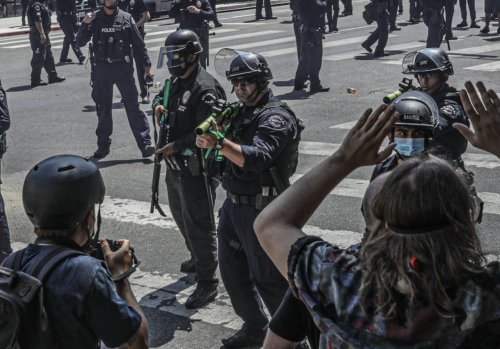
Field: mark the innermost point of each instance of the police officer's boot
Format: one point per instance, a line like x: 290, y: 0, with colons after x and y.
x: 204, y: 293
x: 244, y: 338
x: 56, y: 78
x: 189, y: 266
x: 38, y: 83
x: 101, y: 152
x: 473, y: 24
x: 462, y: 24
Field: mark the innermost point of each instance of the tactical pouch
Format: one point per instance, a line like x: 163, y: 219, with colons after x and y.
x: 368, y: 13
x: 193, y: 164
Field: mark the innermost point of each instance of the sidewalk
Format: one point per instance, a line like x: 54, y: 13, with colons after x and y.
x: 12, y: 25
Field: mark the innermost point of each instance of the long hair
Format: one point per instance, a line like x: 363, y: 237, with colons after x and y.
x: 426, y: 243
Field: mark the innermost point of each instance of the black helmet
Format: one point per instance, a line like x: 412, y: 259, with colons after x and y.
x: 417, y: 110
x: 242, y: 64
x: 178, y: 46
x: 427, y: 60
x: 59, y: 191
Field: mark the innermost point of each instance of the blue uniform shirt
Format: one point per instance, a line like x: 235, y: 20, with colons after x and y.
x: 263, y: 134
x: 82, y: 303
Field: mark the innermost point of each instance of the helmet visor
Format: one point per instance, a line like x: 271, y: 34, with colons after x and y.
x: 170, y: 56
x: 247, y: 64
x: 417, y: 62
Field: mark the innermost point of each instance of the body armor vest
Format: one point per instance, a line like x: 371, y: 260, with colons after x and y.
x: 112, y: 44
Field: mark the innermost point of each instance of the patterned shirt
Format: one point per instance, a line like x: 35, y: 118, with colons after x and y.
x: 329, y: 280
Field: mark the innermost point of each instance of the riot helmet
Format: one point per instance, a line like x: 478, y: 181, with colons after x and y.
x: 242, y: 65
x: 179, y: 45
x: 418, y: 111
x: 427, y: 60
x: 59, y: 191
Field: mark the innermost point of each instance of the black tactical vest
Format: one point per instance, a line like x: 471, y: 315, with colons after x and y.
x: 112, y: 43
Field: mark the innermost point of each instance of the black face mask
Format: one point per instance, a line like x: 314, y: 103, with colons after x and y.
x: 178, y: 70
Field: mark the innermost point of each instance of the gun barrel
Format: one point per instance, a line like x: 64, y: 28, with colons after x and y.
x: 389, y: 98
x: 205, y: 125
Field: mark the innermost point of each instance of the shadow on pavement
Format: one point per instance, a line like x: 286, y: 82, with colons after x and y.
x: 92, y: 108
x: 19, y: 88
x: 109, y: 163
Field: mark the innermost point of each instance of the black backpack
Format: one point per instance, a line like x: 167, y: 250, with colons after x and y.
x: 23, y: 320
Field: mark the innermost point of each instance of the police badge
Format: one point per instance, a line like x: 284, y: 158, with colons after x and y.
x: 198, y: 3
x: 185, y: 97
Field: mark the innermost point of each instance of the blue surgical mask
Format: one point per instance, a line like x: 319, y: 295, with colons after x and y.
x: 408, y: 147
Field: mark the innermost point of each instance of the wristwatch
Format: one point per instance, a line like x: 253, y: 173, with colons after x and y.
x: 220, y: 143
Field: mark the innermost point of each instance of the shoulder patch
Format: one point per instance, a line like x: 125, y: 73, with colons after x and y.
x: 276, y: 121
x: 37, y: 8
x: 208, y: 97
x: 451, y: 111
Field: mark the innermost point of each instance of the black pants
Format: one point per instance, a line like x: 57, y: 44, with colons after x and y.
x: 139, y: 67
x: 311, y: 54
x: 393, y: 12
x: 347, y: 5
x: 187, y: 198
x: 23, y: 15
x: 42, y: 57
x: 213, y: 4
x: 381, y: 34
x: 472, y: 9
x: 105, y: 76
x: 332, y: 16
x: 69, y: 28
x: 245, y: 268
x: 415, y: 9
x: 433, y: 21
x: 267, y: 8
x: 449, y: 10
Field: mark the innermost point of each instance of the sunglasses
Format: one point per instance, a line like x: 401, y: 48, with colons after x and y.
x: 427, y: 75
x: 242, y: 82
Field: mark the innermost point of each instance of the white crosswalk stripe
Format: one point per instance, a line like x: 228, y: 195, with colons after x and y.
x: 250, y: 40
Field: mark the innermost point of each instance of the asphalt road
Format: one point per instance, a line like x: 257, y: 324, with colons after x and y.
x: 61, y: 119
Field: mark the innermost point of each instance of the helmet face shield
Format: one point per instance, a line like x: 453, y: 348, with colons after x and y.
x: 241, y: 64
x: 170, y: 56
x: 427, y: 60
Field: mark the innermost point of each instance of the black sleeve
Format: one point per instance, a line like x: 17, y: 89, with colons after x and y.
x: 293, y: 322
x: 175, y: 10
x: 207, y: 13
x: 138, y: 44
x: 84, y: 33
x: 4, y: 111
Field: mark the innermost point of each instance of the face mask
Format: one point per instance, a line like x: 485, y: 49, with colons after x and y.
x: 408, y: 147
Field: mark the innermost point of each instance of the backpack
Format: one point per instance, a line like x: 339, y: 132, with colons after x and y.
x: 23, y: 320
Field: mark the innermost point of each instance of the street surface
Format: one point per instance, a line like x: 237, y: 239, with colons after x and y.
x: 61, y: 119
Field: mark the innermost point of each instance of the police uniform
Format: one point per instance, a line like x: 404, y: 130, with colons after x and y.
x: 296, y: 24
x: 381, y: 34
x: 42, y: 53
x: 433, y: 19
x: 113, y: 38
x: 347, y: 7
x: 136, y: 8
x: 268, y: 135
x: 195, y: 22
x: 311, y: 22
x: 449, y: 10
x: 332, y: 14
x: 190, y: 103
x: 415, y: 11
x: 5, y: 248
x: 66, y: 16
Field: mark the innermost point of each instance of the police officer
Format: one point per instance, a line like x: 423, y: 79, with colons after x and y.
x: 311, y: 24
x: 393, y: 13
x: 432, y: 67
x: 141, y: 15
x: 261, y: 151
x: 267, y: 9
x: 66, y: 16
x: 216, y: 20
x: 194, y: 15
x: 463, y: 13
x: 296, y: 24
x: 381, y: 34
x: 432, y: 13
x: 39, y: 22
x: 193, y: 92
x: 114, y: 35
x: 332, y: 15
x: 5, y: 248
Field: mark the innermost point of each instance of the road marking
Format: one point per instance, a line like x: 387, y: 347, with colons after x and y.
x: 475, y: 50
x: 225, y: 38
x: 149, y: 41
x: 352, y: 54
x: 29, y: 45
x: 345, y: 126
x: 493, y: 66
x: 256, y: 44
x: 326, y: 149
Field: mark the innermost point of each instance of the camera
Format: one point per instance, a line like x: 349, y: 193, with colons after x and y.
x: 96, y: 251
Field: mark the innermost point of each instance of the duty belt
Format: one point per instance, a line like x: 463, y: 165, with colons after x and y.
x: 258, y: 201
x: 124, y: 59
x: 66, y: 13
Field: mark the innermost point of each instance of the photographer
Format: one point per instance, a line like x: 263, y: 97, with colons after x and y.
x: 420, y: 278
x: 83, y: 303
